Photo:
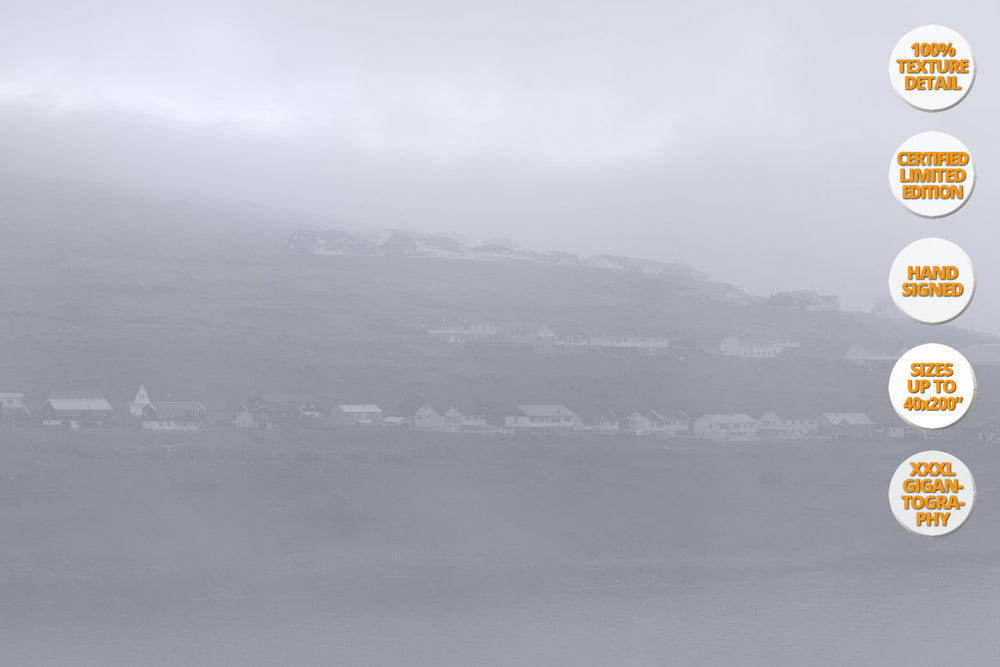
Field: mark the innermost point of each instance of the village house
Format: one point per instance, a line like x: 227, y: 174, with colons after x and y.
x: 726, y: 426
x: 174, y: 416
x: 846, y: 424
x: 12, y: 406
x: 366, y: 414
x: 269, y: 411
x: 635, y: 343
x: 609, y: 424
x: 77, y: 413
x: 404, y: 423
x: 452, y: 419
x: 655, y: 423
x: 427, y: 418
x: 137, y: 408
x: 770, y: 425
x: 545, y: 339
x: 465, y: 333
x: 755, y: 348
x: 546, y: 418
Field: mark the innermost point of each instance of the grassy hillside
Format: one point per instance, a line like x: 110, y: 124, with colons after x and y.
x: 106, y: 293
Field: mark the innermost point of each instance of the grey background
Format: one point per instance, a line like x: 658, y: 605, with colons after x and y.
x: 154, y: 157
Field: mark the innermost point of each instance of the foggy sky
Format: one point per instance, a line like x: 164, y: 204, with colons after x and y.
x: 752, y: 143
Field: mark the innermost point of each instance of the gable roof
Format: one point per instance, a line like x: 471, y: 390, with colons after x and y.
x: 361, y: 407
x: 848, y: 418
x: 84, y: 404
x: 544, y: 411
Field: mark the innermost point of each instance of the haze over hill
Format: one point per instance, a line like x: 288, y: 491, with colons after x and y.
x: 106, y: 292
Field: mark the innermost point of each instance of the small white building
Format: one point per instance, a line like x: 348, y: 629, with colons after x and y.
x: 465, y: 333
x: 77, y: 413
x: 774, y: 426
x: 427, y: 418
x: 755, y: 348
x: 655, y: 423
x: 137, y: 408
x: 360, y: 414
x: 547, y: 418
x: 12, y: 406
x: 727, y: 426
x: 174, y: 416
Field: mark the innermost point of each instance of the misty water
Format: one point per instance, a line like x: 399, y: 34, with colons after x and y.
x: 333, y: 547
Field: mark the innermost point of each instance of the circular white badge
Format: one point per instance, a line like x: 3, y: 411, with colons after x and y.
x: 932, y: 68
x: 932, y: 493
x: 932, y: 386
x: 932, y: 281
x: 932, y: 174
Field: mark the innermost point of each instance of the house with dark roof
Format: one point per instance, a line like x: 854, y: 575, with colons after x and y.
x: 725, y: 426
x: 77, y: 413
x: 269, y: 411
x: 548, y: 418
x: 357, y: 414
x: 174, y: 416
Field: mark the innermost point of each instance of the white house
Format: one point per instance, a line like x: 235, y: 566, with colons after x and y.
x: 12, y: 406
x: 138, y: 405
x: 736, y: 425
x: 774, y: 426
x: 609, y: 423
x: 365, y: 414
x: 656, y: 423
x: 453, y: 420
x: 541, y: 418
x: 426, y: 417
x: 846, y: 424
x: 755, y: 348
x: 641, y: 344
x: 174, y: 416
x: 77, y: 413
x: 465, y: 333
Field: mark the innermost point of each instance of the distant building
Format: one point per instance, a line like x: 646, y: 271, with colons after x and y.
x: 545, y: 339
x: 138, y: 405
x: 77, y: 413
x: 305, y: 240
x: 269, y: 411
x: 12, y: 406
x: 755, y: 348
x: 426, y: 417
x: 654, y: 423
x: 174, y: 416
x: 366, y: 414
x: 465, y: 333
x: 638, y: 343
x: 846, y: 424
x: 452, y: 419
x: 404, y: 423
x: 541, y: 418
x: 770, y: 425
x: 456, y: 421
x: 736, y: 426
x: 609, y: 423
